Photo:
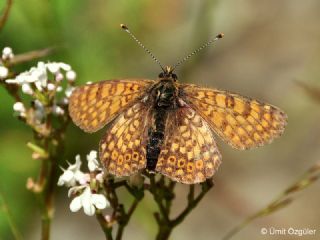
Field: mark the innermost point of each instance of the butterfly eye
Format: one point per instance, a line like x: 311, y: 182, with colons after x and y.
x: 174, y: 76
x: 161, y: 75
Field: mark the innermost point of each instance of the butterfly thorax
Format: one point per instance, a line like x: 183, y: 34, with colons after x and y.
x: 164, y: 93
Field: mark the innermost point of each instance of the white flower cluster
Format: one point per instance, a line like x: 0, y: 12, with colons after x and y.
x: 7, y: 55
x: 39, y: 77
x: 45, y: 79
x: 84, y: 186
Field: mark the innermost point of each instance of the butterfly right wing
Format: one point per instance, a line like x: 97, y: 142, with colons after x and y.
x: 123, y: 148
x: 94, y: 105
x: 240, y: 121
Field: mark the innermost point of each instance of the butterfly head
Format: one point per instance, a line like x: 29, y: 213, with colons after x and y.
x: 167, y: 73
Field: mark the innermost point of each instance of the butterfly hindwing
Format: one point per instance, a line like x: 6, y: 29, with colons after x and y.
x: 94, y: 105
x: 240, y: 121
x: 123, y: 148
x: 189, y: 153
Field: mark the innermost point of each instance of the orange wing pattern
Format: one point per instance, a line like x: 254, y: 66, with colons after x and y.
x: 189, y: 154
x: 240, y: 121
x: 94, y: 105
x: 123, y: 148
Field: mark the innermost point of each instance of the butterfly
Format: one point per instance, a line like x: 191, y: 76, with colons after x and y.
x: 166, y: 127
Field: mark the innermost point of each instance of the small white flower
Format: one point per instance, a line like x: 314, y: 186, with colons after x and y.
x: 51, y: 86
x: 64, y: 101
x: 40, y: 74
x: 36, y: 75
x: 72, y: 174
x: 89, y: 202
x: 99, y: 177
x: 59, y: 89
x: 65, y: 67
x: 57, y: 110
x: 69, y: 91
x: 26, y: 88
x: 54, y: 67
x: 22, y: 78
x: 93, y: 163
x: 3, y: 72
x: 59, y: 77
x: 71, y: 75
x: 7, y: 53
x: 19, y: 107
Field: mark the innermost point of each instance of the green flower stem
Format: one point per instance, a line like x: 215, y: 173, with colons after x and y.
x: 119, y: 215
x: 5, y: 15
x: 107, y: 229
x: 49, y: 149
x: 163, y: 195
x: 4, y: 207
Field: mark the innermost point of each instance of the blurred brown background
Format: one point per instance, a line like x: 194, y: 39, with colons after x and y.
x: 268, y: 45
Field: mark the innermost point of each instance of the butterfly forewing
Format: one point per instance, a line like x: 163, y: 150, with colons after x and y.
x: 123, y: 148
x: 189, y: 153
x: 94, y: 105
x: 240, y: 121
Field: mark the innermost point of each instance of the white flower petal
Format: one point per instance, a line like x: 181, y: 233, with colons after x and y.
x: 93, y: 163
x: 65, y: 67
x: 100, y: 201
x: 59, y: 89
x: 67, y: 179
x: 69, y: 91
x: 71, y: 75
x: 86, y: 202
x: 38, y: 85
x: 57, y: 110
x: 89, y: 209
x: 81, y: 177
x: 77, y: 164
x: 67, y: 175
x: 26, y: 88
x: 59, y: 77
x: 51, y: 86
x: 13, y: 81
x: 7, y: 53
x: 75, y: 204
x: 92, y: 155
x: 19, y: 107
x: 3, y: 72
x: 53, y: 67
x: 99, y: 177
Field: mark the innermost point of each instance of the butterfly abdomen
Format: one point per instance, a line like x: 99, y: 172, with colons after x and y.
x: 164, y: 100
x: 156, y: 136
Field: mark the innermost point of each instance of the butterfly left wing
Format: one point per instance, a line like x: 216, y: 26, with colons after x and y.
x: 94, y: 105
x: 123, y: 148
x: 189, y: 153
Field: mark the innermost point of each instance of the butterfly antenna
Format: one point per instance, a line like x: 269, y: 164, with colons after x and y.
x: 219, y: 36
x: 125, y: 28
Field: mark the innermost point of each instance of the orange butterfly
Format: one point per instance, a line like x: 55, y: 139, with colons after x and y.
x: 167, y: 127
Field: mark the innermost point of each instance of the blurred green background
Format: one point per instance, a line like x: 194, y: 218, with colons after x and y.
x: 268, y: 45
